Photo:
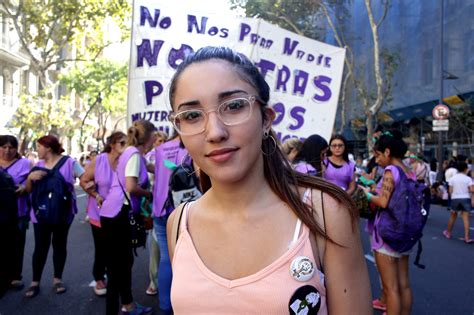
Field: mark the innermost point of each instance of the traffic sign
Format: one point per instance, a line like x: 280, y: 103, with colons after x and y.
x: 440, y: 111
x: 441, y: 125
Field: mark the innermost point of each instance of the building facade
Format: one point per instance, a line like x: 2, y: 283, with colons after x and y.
x: 411, y: 31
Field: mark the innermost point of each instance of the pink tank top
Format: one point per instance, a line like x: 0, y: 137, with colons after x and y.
x: 292, y: 284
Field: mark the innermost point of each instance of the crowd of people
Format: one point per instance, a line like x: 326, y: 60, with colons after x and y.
x: 275, y: 229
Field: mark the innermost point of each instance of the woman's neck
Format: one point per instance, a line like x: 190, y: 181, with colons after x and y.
x: 113, y: 158
x: 243, y: 196
x: 337, y: 159
x: 4, y: 162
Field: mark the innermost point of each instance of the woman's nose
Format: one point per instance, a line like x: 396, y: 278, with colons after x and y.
x: 216, y: 131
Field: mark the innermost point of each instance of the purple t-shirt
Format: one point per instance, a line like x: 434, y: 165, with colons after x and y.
x: 19, y: 171
x: 305, y: 168
x: 340, y: 176
x: 172, y: 152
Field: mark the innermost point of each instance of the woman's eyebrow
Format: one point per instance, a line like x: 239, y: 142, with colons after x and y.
x: 225, y: 94
x: 189, y: 103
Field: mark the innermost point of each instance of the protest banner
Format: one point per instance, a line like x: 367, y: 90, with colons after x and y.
x: 304, y: 75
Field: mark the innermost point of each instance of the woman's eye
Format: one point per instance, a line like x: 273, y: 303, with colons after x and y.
x: 234, y: 105
x: 190, y: 115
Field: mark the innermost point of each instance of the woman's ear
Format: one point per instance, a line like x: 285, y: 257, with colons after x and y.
x: 268, y: 118
x: 386, y: 152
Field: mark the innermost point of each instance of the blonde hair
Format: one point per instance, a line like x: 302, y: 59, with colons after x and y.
x: 140, y: 132
x: 290, y: 144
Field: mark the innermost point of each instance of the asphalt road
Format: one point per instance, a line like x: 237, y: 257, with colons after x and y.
x: 446, y: 286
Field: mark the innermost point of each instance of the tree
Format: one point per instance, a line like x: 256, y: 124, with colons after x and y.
x: 34, y: 117
x: 54, y: 33
x: 102, y: 87
x: 384, y: 63
x: 47, y: 29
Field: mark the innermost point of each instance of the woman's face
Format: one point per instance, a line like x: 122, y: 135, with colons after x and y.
x: 382, y: 158
x: 42, y: 150
x: 225, y: 153
x: 119, y: 145
x: 159, y: 141
x: 8, y: 152
x: 337, y: 147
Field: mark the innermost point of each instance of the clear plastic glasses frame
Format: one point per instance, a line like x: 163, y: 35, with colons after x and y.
x: 231, y: 112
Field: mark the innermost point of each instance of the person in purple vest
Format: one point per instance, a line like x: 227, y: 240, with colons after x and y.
x: 49, y: 152
x: 309, y: 158
x: 339, y: 169
x: 12, y: 236
x: 130, y: 178
x: 96, y: 181
x: 172, y: 152
x: 389, y: 151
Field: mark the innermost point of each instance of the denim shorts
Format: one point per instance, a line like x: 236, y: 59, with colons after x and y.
x: 461, y: 204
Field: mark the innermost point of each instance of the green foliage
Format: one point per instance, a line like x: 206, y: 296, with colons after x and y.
x: 53, y: 32
x: 36, y: 117
x: 104, y: 78
x: 302, y: 17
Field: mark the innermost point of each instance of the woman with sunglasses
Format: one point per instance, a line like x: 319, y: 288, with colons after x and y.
x: 339, y: 170
x: 129, y: 185
x: 96, y: 181
x: 259, y: 239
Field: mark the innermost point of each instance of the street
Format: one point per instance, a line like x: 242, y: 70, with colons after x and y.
x: 444, y: 287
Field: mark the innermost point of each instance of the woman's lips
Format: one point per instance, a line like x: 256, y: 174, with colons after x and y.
x: 221, y: 155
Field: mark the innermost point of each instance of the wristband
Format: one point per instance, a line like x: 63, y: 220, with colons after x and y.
x: 369, y: 196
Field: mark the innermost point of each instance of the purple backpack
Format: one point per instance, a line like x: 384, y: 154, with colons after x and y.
x: 401, y: 224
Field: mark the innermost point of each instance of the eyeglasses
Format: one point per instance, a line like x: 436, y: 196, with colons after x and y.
x: 337, y: 146
x: 231, y: 112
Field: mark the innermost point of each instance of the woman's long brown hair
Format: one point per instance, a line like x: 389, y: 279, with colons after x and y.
x: 283, y: 180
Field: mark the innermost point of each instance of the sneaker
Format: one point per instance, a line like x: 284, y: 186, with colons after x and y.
x: 447, y: 234
x: 378, y: 305
x: 151, y: 291
x: 100, y: 290
x: 138, y: 309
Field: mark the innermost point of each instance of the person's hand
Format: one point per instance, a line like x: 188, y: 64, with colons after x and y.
x: 100, y: 200
x: 37, y: 175
x: 365, y: 189
x: 20, y: 189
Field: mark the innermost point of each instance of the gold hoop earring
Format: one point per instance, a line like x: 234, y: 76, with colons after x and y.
x: 266, y: 136
x: 189, y: 166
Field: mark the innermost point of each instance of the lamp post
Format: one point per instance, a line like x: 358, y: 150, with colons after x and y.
x: 441, y: 83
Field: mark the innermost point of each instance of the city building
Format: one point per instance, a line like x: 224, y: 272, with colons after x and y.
x: 411, y: 31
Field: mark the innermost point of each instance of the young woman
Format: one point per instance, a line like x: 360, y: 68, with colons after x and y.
x: 129, y: 183
x: 49, y: 152
x: 461, y: 188
x: 13, y: 235
x: 309, y: 158
x: 339, y: 169
x: 263, y: 238
x: 96, y: 181
x: 389, y: 151
x: 170, y: 152
x: 153, y: 250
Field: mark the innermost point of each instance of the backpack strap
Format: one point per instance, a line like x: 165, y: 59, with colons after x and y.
x: 60, y: 163
x: 175, y: 227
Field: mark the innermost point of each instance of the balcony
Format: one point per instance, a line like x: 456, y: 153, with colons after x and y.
x: 10, y: 54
